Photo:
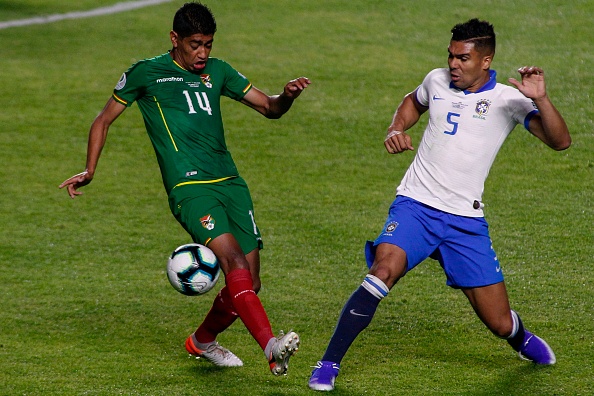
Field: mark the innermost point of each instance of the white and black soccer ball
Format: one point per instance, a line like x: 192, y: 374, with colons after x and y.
x: 193, y: 269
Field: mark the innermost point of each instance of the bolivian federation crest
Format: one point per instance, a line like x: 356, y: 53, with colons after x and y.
x: 208, y: 222
x: 206, y: 80
x: 482, y: 107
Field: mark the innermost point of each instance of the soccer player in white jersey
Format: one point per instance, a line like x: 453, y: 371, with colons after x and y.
x: 438, y: 212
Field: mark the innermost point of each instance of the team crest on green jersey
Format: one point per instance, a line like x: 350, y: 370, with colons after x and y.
x: 206, y: 80
x: 208, y: 222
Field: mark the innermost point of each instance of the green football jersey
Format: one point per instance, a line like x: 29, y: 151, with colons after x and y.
x: 182, y: 115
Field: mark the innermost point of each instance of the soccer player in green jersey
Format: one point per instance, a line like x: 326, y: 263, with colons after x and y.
x: 178, y: 94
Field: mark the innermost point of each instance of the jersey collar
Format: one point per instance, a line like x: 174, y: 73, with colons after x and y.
x: 489, y: 85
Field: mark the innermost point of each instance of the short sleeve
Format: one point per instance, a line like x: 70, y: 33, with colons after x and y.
x: 236, y: 84
x: 422, y: 91
x: 522, y: 108
x: 132, y: 84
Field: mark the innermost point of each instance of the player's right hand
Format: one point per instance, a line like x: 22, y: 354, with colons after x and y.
x: 397, y: 142
x: 75, y: 182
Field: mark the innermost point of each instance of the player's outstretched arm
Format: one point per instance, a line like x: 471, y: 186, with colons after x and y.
x: 408, y: 113
x: 97, y: 137
x: 277, y: 105
x: 549, y: 126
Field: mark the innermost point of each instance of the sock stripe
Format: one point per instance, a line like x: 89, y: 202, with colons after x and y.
x: 516, y: 324
x: 375, y: 286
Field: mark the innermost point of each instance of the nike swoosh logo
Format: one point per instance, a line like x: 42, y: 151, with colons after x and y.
x: 352, y: 312
x: 498, y: 269
x: 435, y: 97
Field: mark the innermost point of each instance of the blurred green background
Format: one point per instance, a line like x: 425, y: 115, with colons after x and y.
x: 86, y: 306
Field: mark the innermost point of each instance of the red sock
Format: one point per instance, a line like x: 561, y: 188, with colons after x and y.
x: 219, y: 318
x: 248, y: 305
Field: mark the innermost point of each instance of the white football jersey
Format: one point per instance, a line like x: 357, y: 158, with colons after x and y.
x: 464, y: 134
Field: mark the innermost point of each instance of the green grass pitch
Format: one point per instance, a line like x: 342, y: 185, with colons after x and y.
x: 86, y: 308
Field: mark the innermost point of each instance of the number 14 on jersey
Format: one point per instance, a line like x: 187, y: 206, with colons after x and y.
x: 203, y: 102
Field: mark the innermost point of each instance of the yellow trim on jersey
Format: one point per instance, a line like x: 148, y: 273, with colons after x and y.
x: 120, y: 100
x: 178, y: 65
x: 165, y: 122
x: 207, y: 241
x: 203, y: 181
x: 247, y: 88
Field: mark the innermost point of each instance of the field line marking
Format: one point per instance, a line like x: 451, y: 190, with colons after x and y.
x: 119, y: 7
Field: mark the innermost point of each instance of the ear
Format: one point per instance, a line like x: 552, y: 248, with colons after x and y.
x: 174, y: 38
x: 487, y: 62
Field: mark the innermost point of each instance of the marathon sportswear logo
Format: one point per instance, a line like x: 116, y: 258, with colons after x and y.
x: 170, y: 79
x: 208, y: 222
x: 122, y: 83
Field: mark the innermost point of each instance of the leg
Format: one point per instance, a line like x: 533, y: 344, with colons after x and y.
x: 491, y: 304
x: 240, y: 285
x: 357, y: 313
x: 389, y: 266
x: 220, y: 215
x: 222, y: 314
x: 492, y: 307
x: 253, y: 259
x: 239, y: 277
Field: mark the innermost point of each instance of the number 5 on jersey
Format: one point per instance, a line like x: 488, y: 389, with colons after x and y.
x: 453, y: 123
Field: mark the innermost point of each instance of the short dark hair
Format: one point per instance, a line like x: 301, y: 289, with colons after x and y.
x: 481, y: 33
x: 194, y: 18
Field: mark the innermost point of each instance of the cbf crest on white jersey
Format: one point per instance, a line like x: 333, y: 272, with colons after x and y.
x: 482, y: 107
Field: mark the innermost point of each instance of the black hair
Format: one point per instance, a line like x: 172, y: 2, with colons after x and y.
x: 194, y: 18
x: 481, y: 33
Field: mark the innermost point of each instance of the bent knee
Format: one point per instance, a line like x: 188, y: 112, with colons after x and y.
x: 385, y: 274
x: 389, y: 269
x: 389, y: 264
x: 232, y: 261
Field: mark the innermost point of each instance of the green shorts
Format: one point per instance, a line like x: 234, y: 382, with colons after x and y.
x: 208, y: 210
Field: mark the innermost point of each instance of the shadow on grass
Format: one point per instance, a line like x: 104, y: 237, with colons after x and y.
x: 523, y: 380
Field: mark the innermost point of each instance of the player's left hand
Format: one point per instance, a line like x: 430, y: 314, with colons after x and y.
x: 294, y: 87
x: 532, y: 85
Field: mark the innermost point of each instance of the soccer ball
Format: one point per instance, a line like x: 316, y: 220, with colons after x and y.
x: 193, y: 269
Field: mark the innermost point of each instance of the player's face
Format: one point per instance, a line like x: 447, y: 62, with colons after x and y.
x: 469, y: 69
x: 191, y: 52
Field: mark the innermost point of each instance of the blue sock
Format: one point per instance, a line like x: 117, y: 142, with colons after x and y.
x: 355, y: 317
x: 516, y: 338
